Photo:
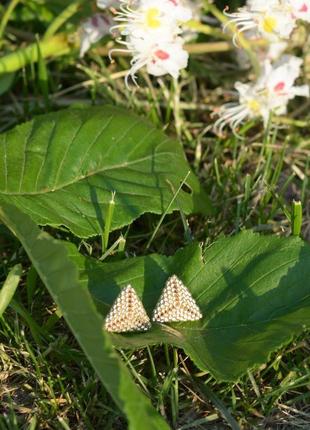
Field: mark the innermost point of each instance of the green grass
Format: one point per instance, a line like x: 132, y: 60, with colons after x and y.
x: 50, y: 383
x: 45, y: 381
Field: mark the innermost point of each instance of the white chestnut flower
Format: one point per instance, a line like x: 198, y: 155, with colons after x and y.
x: 93, y: 29
x: 272, y: 19
x: 152, y: 17
x: 160, y: 58
x: 270, y: 94
x: 151, y: 33
x: 278, y: 82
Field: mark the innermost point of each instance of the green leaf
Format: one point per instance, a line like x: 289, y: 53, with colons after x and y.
x: 9, y: 287
x: 61, y: 168
x: 59, y: 273
x: 254, y: 293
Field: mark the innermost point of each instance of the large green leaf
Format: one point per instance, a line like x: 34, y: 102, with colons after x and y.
x: 254, y: 293
x: 60, y: 275
x: 61, y: 168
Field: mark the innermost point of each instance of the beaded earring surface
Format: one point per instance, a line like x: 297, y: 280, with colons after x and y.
x: 127, y: 313
x: 176, y: 303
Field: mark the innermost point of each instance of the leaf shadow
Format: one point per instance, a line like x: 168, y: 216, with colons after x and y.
x: 155, y: 277
x: 247, y: 326
x: 96, y: 206
x: 124, y: 199
x: 145, y: 275
x: 104, y: 291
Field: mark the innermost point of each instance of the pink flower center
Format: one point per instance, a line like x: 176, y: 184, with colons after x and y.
x: 304, y: 8
x: 279, y: 87
x: 162, y: 55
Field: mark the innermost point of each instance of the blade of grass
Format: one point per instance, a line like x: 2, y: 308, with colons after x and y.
x: 166, y: 211
x: 6, y: 17
x: 219, y: 405
x: 296, y: 218
x: 9, y: 287
x: 63, y: 17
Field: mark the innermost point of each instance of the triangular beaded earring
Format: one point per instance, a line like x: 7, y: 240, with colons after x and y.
x: 176, y: 303
x: 127, y: 313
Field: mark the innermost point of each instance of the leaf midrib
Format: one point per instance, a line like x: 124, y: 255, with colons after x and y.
x: 93, y: 173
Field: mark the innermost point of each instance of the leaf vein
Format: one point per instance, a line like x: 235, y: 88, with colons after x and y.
x: 93, y: 173
x: 45, y: 154
x: 67, y: 150
x: 27, y: 140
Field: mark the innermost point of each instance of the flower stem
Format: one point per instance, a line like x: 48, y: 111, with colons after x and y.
x: 205, y: 29
x: 53, y: 47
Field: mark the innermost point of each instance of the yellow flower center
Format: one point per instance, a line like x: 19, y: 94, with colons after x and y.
x: 254, y: 106
x: 269, y: 24
x: 152, y: 16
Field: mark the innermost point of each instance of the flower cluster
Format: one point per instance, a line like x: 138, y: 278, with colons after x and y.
x: 270, y: 93
x: 151, y: 32
x: 273, y: 21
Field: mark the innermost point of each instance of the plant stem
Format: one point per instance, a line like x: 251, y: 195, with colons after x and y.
x: 121, y: 243
x: 58, y: 22
x: 209, y: 7
x: 53, y: 47
x: 175, y: 389
x: 191, y: 48
x: 43, y: 77
x: 166, y: 211
x: 6, y: 17
x: 111, y: 249
x: 166, y: 349
x: 296, y: 218
x: 153, y: 367
x: 108, y: 222
x: 205, y: 29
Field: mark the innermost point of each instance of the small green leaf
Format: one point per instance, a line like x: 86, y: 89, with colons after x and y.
x: 61, y: 168
x: 60, y: 275
x: 9, y: 287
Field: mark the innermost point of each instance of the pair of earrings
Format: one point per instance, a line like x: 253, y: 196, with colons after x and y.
x: 175, y: 304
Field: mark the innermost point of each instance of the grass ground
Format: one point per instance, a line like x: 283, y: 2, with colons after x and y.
x: 45, y: 380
